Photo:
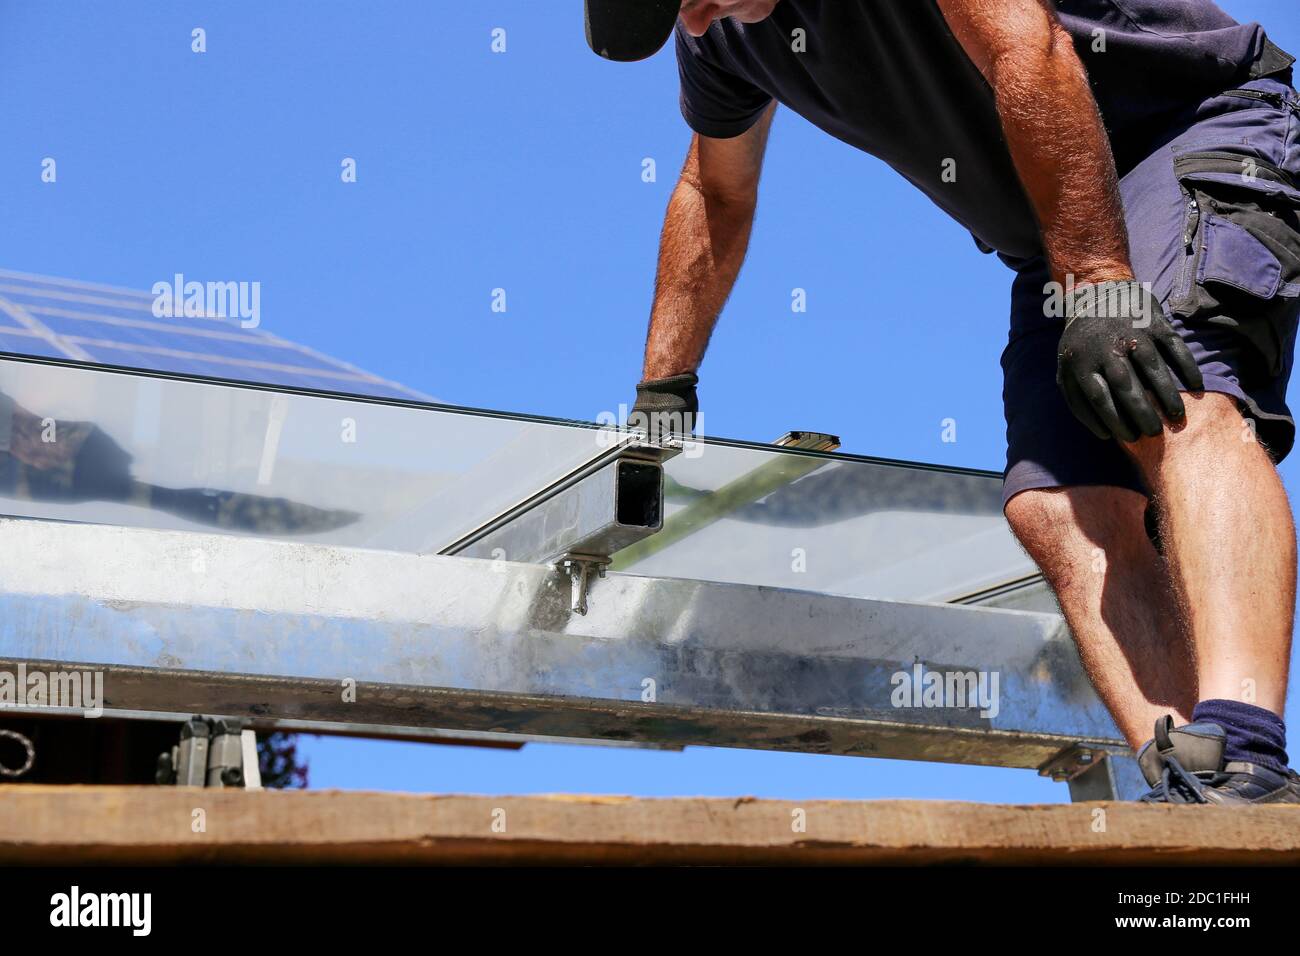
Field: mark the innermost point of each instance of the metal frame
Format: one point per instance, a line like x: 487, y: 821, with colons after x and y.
x: 530, y: 646
x: 181, y: 622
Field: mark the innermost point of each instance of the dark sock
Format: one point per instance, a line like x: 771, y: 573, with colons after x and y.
x: 1255, y: 735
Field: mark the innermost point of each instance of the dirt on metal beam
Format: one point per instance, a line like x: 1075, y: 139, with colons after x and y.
x: 169, y: 825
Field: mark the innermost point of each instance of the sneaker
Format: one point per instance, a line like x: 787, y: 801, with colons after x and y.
x: 1185, y: 765
x: 1243, y: 782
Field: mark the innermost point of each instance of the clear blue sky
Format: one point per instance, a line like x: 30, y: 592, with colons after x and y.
x: 521, y: 171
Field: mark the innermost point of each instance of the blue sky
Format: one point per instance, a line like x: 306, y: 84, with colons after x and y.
x: 523, y: 171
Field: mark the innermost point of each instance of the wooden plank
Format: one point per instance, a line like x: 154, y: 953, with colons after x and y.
x: 167, y: 825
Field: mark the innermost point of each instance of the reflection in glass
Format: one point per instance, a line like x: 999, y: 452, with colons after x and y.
x: 53, y: 461
x: 89, y: 444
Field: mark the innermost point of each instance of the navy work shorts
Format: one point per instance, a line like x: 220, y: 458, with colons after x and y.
x: 1212, y: 214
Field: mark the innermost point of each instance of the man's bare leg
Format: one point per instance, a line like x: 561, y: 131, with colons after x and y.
x: 1092, y: 547
x: 1229, y: 539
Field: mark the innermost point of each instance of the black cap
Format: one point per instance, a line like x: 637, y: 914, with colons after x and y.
x: 629, y: 29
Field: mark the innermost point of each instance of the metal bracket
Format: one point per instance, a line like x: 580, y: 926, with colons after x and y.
x: 213, y: 752
x: 580, y: 568
x: 1093, y: 772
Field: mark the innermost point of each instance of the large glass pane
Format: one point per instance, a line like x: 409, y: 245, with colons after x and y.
x: 94, y: 445
x: 86, y: 444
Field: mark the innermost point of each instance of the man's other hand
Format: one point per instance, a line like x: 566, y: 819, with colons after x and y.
x: 1116, y: 346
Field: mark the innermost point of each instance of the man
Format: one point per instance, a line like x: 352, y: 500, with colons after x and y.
x: 1135, y: 162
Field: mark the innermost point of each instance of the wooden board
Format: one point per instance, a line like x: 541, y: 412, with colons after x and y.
x: 168, y: 825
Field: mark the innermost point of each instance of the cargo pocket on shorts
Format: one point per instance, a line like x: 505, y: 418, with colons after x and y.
x: 1241, y: 237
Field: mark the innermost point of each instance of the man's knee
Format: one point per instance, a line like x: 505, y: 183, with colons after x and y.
x: 1062, y: 528
x: 1038, y: 513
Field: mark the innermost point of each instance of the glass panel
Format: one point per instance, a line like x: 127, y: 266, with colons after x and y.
x: 153, y: 362
x: 91, y: 445
x: 109, y: 447
x: 829, y: 523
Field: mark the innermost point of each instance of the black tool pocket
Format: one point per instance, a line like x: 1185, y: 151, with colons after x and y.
x: 1241, y: 263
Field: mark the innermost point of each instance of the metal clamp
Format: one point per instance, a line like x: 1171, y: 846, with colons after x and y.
x: 580, y: 568
x: 213, y: 752
x: 1094, y: 772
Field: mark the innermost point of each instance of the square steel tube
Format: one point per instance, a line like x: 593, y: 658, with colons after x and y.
x: 597, y: 515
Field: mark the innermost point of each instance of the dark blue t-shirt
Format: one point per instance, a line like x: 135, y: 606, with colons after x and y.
x: 888, y: 77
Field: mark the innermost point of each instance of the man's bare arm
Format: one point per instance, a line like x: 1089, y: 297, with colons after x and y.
x: 1111, y: 350
x: 1053, y: 130
x: 705, y: 235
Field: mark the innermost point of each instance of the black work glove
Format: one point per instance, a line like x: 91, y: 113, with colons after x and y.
x: 1116, y: 345
x: 666, y: 406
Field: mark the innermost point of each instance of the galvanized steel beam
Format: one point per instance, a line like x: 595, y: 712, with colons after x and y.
x: 184, y: 622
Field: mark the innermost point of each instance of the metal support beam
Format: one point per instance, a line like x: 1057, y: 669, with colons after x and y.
x: 608, y: 504
x: 181, y: 622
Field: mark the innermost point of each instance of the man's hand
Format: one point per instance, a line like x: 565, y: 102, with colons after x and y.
x: 666, y: 406
x: 1117, y: 345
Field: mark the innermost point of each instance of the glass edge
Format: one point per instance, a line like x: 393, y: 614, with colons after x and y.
x: 478, y: 412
